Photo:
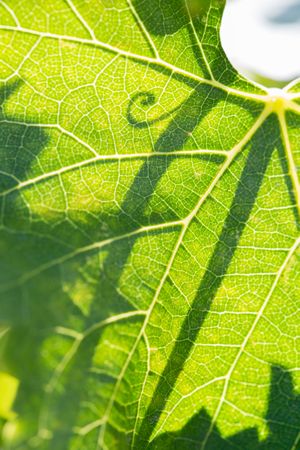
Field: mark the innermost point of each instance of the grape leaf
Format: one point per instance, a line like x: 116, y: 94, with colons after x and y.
x: 150, y: 263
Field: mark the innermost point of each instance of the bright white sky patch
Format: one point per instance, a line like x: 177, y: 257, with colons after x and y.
x: 263, y: 36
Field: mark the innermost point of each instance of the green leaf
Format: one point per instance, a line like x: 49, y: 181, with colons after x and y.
x: 150, y: 262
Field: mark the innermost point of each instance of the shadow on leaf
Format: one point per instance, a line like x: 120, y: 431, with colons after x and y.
x: 20, y: 143
x: 236, y: 220
x: 282, y: 419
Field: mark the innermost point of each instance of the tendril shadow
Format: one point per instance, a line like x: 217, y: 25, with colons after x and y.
x: 145, y: 99
x: 132, y: 211
x: 132, y: 214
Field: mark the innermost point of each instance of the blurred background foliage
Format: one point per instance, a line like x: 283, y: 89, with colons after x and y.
x: 262, y: 39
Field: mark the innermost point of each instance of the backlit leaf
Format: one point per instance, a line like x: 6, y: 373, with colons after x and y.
x: 149, y: 233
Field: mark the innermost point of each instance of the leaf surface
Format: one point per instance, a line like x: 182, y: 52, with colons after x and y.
x: 150, y: 262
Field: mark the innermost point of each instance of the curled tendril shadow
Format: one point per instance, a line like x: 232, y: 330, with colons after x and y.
x: 141, y: 100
